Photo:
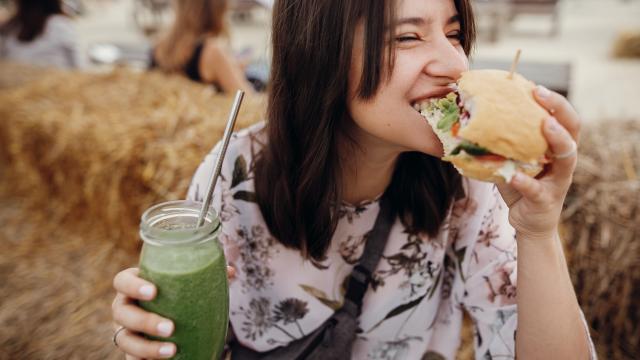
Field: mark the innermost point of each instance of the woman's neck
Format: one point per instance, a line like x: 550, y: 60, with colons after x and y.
x: 367, y: 168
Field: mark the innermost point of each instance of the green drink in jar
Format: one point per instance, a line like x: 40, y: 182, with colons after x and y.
x: 188, y: 267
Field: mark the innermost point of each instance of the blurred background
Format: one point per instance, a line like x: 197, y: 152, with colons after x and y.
x: 110, y: 108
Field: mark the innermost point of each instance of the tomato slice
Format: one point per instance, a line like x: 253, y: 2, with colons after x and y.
x: 491, y: 157
x: 455, y: 129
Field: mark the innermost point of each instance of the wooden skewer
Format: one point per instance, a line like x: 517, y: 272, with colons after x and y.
x: 514, y: 64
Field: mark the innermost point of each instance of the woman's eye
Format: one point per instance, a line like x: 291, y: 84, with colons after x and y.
x: 456, y: 36
x: 407, y: 38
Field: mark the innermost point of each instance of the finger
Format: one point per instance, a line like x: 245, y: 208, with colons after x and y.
x: 231, y: 272
x: 135, y: 318
x: 530, y: 188
x: 559, y: 106
x: 135, y: 345
x: 562, y: 145
x: 128, y: 283
x: 130, y: 357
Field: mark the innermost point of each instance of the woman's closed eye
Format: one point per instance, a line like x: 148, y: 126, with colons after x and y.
x: 456, y: 36
x: 406, y: 38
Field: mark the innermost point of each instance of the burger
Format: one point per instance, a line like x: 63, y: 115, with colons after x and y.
x: 490, y: 126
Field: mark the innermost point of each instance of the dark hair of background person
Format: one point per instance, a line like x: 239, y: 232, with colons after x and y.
x: 298, y: 175
x: 31, y: 17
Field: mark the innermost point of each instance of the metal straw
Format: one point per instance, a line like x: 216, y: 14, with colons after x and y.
x: 225, y: 143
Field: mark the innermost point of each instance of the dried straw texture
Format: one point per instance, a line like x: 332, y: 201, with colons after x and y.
x: 15, y: 74
x: 601, y: 222
x: 627, y: 44
x: 103, y: 147
x: 55, y: 288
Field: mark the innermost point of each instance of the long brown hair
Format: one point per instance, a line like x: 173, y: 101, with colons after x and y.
x: 31, y: 18
x: 194, y: 20
x: 298, y: 177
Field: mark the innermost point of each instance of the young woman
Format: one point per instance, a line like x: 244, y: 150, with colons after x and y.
x: 300, y: 194
x: 40, y: 33
x: 197, y: 45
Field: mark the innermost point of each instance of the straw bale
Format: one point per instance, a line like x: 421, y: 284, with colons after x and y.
x: 103, y: 147
x: 55, y: 290
x: 14, y: 74
x: 627, y: 44
x: 601, y: 225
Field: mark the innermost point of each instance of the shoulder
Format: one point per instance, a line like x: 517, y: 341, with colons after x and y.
x: 242, y: 150
x: 214, y: 55
x: 214, y: 49
x: 60, y: 26
x: 60, y: 22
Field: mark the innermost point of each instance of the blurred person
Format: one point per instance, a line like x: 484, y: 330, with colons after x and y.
x: 198, y: 46
x: 40, y: 33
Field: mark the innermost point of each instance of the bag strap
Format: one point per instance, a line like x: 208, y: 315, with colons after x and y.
x: 360, y: 276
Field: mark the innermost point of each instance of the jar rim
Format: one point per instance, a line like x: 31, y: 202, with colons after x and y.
x: 164, y: 224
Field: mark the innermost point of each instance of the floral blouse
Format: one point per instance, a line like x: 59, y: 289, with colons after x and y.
x: 413, y: 308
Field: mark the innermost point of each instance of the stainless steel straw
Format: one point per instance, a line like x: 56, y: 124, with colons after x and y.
x: 225, y: 143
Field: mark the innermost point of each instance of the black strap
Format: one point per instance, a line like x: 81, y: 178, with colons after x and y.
x: 376, y: 240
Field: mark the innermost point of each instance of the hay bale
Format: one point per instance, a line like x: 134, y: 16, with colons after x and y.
x: 14, y: 74
x: 55, y: 289
x: 601, y: 222
x: 627, y: 44
x: 103, y: 147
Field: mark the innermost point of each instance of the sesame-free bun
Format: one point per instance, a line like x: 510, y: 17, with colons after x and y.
x: 487, y: 170
x: 504, y: 116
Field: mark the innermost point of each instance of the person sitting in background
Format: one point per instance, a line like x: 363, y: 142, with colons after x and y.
x: 197, y: 45
x: 40, y: 33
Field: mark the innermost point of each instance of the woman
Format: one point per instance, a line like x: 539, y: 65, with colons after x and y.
x: 40, y: 33
x: 197, y: 45
x: 301, y: 193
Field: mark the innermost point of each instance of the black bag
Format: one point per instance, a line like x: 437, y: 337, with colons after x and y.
x: 334, y: 338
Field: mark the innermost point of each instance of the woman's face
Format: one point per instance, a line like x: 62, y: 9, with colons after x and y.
x: 428, y: 57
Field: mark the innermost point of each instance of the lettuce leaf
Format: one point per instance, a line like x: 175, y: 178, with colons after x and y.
x: 450, y: 111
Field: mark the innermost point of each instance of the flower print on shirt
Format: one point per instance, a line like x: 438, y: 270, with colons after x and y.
x: 412, y: 261
x: 261, y: 317
x: 256, y: 249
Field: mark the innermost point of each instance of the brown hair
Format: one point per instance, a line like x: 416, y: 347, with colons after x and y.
x: 298, y: 178
x: 194, y: 21
x: 31, y: 18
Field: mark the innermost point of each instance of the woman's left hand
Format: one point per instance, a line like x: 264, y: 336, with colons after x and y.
x: 535, y: 203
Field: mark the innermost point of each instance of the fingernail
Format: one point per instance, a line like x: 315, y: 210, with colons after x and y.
x: 146, y: 291
x: 166, y: 351
x: 165, y: 328
x: 542, y: 91
x: 552, y: 124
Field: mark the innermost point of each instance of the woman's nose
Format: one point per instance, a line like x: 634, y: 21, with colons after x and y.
x: 446, y: 61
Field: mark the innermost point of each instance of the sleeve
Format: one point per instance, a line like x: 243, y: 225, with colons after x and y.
x: 64, y: 31
x: 489, y: 279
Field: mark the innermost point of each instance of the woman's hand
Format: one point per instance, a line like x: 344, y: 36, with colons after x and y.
x: 535, y: 203
x: 134, y: 320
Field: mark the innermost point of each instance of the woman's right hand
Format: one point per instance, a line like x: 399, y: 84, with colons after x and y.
x: 135, y: 320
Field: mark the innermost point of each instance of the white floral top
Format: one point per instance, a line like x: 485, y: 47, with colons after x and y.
x: 414, y: 307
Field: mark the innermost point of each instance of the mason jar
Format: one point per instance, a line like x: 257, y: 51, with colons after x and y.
x: 188, y: 267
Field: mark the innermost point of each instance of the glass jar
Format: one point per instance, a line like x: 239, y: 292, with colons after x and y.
x: 188, y: 267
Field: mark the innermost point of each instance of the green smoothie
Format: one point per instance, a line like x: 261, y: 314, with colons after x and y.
x: 192, y: 291
x: 190, y: 274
